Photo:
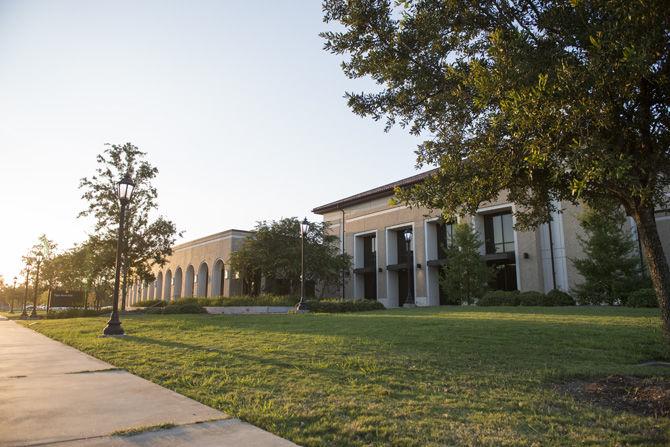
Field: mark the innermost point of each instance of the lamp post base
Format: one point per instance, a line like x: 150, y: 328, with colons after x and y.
x: 301, y: 306
x: 113, y: 329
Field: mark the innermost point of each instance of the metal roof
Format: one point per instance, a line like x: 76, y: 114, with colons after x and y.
x: 380, y: 191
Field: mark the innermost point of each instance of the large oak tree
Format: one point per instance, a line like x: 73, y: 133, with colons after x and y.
x: 549, y: 100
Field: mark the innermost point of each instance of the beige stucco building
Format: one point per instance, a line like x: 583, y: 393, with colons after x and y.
x: 372, y: 230
x: 196, y: 268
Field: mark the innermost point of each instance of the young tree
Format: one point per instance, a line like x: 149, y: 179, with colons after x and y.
x: 548, y: 100
x: 610, y: 269
x: 465, y: 275
x: 147, y: 241
x: 273, y: 252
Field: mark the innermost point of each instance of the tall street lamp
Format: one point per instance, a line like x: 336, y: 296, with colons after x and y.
x: 125, y: 192
x: 11, y: 306
x: 304, y: 227
x: 409, y: 302
x: 36, y: 285
x: 24, y: 314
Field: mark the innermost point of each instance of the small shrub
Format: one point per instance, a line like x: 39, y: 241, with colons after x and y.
x: 177, y: 308
x: 642, y: 298
x: 76, y: 313
x: 499, y: 298
x: 339, y: 305
x: 559, y: 298
x: 532, y: 298
x: 151, y: 303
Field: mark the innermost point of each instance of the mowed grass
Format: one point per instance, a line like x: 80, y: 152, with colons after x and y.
x: 421, y: 377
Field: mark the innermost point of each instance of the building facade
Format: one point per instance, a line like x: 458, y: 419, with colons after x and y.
x: 372, y: 230
x: 196, y: 269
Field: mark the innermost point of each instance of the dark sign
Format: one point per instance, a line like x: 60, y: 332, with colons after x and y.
x: 67, y: 298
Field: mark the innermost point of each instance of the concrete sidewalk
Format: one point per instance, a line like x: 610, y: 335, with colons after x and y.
x: 52, y: 394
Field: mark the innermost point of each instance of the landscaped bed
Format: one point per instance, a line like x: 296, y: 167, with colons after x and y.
x: 420, y: 377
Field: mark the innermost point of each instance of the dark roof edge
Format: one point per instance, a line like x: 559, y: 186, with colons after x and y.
x: 374, y: 193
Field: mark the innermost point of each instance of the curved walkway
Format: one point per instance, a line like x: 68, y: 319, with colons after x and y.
x: 54, y: 395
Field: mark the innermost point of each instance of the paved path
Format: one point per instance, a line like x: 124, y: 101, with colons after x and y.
x: 55, y: 395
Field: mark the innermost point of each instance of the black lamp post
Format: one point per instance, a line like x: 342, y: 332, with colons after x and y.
x: 409, y: 302
x: 304, y: 227
x: 125, y: 192
x: 11, y: 306
x: 36, y: 285
x: 24, y: 314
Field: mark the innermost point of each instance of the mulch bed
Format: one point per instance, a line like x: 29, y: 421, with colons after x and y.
x: 648, y: 396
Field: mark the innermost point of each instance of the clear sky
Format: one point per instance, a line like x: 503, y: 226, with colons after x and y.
x: 235, y: 102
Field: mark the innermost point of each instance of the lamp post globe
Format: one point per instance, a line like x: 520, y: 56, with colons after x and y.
x: 38, y: 260
x: 125, y: 190
x: 304, y: 228
x: 409, y: 301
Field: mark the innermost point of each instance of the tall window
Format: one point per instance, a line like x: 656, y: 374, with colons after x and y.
x: 499, y: 233
x: 445, y: 237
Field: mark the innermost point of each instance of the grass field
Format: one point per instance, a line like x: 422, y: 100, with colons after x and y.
x: 422, y: 377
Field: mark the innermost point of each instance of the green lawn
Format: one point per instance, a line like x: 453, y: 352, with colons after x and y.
x: 422, y: 377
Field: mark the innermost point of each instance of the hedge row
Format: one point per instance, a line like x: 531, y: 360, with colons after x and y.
x: 76, y: 313
x: 339, y: 305
x: 176, y: 308
x: 260, y: 300
x: 516, y: 298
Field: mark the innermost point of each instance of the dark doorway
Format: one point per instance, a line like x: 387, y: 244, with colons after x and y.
x: 500, y: 255
x: 405, y: 285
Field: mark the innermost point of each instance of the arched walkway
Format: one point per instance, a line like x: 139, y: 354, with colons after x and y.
x: 159, y: 286
x: 177, y: 283
x: 217, y: 278
x: 168, y: 286
x: 203, y: 280
x: 189, y: 281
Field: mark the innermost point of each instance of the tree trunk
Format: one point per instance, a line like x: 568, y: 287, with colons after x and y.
x: 659, y: 271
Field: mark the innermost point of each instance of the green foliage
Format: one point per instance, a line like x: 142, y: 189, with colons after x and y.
x: 529, y: 298
x: 147, y: 241
x: 465, y: 274
x: 336, y: 305
x: 610, y: 268
x: 177, y: 308
x: 642, y: 298
x: 76, y: 313
x: 246, y: 300
x: 532, y: 298
x: 559, y: 298
x: 274, y: 253
x: 151, y: 303
x: 499, y: 298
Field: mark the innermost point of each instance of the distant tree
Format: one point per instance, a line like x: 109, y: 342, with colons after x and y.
x: 273, y: 252
x: 610, y: 269
x: 547, y: 100
x: 45, y: 248
x: 148, y: 241
x: 465, y: 275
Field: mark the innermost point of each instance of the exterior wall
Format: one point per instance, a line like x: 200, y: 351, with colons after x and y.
x: 209, y: 251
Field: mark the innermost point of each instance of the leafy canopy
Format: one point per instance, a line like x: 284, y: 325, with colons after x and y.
x: 273, y: 252
x: 545, y: 99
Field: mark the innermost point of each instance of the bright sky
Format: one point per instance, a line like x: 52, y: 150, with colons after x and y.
x: 235, y: 102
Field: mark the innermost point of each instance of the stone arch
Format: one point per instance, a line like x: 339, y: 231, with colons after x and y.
x: 159, y: 286
x: 168, y: 286
x: 177, y: 283
x: 189, y: 281
x: 203, y: 280
x: 218, y: 276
